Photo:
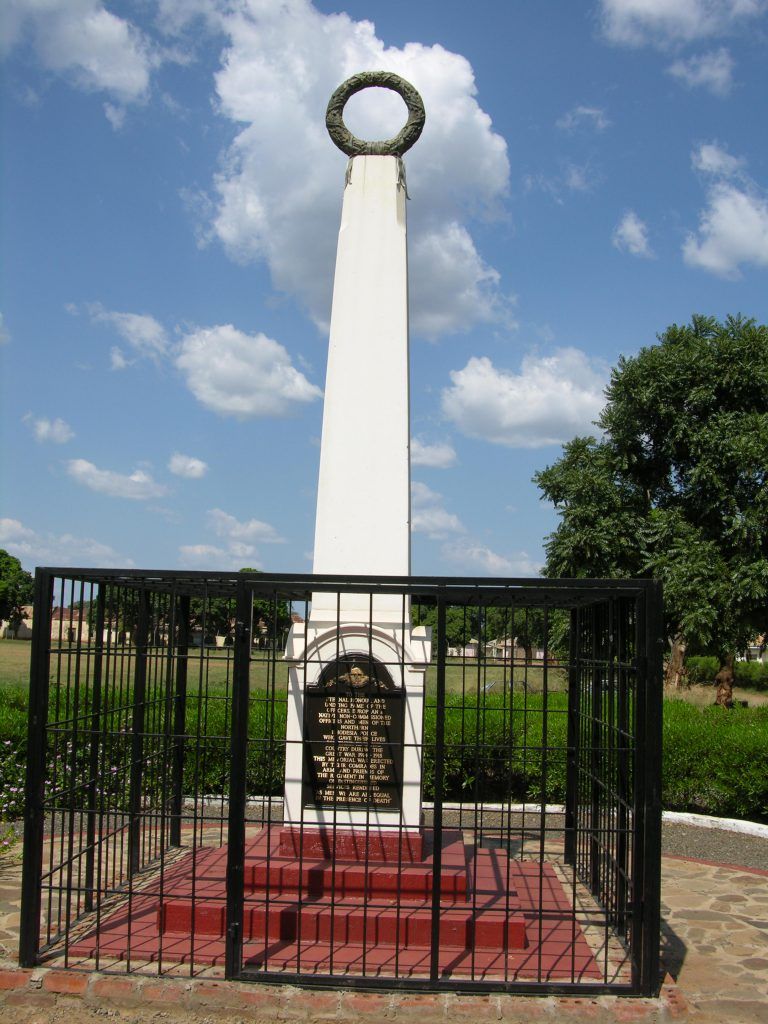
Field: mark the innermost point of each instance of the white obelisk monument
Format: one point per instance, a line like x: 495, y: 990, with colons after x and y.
x: 363, y: 504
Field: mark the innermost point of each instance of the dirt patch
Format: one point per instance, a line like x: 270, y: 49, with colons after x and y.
x: 702, y: 695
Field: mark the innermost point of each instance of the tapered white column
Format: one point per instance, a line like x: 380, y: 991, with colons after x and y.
x: 363, y: 501
x: 362, y: 525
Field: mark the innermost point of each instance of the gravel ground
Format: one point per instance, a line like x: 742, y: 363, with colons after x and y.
x: 714, y: 844
x: 701, y: 843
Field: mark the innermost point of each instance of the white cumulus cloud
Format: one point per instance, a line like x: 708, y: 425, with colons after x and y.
x: 57, y: 431
x: 454, y: 286
x: 142, y: 332
x: 115, y: 115
x: 138, y: 485
x: 117, y: 360
x: 665, y: 22
x: 187, y: 466
x: 733, y: 226
x: 210, y: 556
x: 733, y: 230
x: 13, y: 530
x: 81, y: 39
x: 428, y: 514
x: 583, y: 117
x: 438, y: 456
x: 631, y: 235
x: 237, y: 374
x: 236, y: 547
x: 225, y: 525
x: 711, y: 158
x: 472, y: 556
x: 549, y: 401
x: 33, y: 548
x: 712, y: 71
x: 278, y: 195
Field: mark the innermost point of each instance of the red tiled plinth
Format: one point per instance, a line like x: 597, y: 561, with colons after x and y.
x: 461, y: 927
x: 288, y: 898
x: 269, y: 868
x: 497, y: 917
x: 342, y: 843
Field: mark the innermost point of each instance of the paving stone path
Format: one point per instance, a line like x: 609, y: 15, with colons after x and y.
x: 714, y: 950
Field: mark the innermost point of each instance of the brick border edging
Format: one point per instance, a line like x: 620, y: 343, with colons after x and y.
x: 53, y: 987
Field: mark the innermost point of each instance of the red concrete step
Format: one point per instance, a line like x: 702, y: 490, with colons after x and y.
x: 317, y: 879
x: 267, y: 869
x: 462, y: 927
x: 328, y: 843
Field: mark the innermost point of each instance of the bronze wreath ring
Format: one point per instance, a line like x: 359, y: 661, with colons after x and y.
x: 405, y: 138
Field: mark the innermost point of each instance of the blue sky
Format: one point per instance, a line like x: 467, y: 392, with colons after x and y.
x: 589, y: 173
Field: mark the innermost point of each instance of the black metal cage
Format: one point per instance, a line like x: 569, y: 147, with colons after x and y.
x: 158, y: 836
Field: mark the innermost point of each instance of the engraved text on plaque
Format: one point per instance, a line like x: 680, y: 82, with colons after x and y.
x: 353, y: 747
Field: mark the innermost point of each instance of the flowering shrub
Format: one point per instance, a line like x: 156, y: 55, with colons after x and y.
x: 12, y: 768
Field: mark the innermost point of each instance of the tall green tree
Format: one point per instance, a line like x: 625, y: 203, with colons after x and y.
x: 676, y: 487
x: 16, y: 589
x: 217, y: 615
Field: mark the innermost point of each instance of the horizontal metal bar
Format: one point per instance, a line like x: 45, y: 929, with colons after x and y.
x: 449, y: 984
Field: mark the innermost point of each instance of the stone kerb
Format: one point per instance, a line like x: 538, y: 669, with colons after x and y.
x: 207, y: 999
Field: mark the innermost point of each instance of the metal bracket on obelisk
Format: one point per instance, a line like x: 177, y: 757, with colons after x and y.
x: 405, y: 138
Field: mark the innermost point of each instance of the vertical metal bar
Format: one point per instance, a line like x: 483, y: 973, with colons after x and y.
x: 167, y: 624
x: 622, y: 782
x: 572, y: 767
x: 179, y: 719
x: 607, y: 749
x: 651, y: 703
x: 233, y: 954
x: 437, y: 821
x: 543, y: 790
x: 269, y: 700
x: 107, y: 770
x: 34, y: 810
x: 137, y: 735
x: 75, y: 794
x: 638, y: 803
x: 595, y: 754
x: 93, y: 761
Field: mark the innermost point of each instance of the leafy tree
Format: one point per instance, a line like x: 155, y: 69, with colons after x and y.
x: 16, y: 589
x: 217, y: 615
x: 485, y: 624
x: 461, y: 624
x: 677, y: 487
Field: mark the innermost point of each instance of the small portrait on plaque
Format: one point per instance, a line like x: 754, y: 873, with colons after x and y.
x: 355, y: 673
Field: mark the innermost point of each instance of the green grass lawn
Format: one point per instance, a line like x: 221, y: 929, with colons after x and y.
x: 14, y: 663
x: 212, y: 669
x: 715, y: 761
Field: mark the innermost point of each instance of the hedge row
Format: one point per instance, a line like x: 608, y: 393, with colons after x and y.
x: 715, y: 761
x: 751, y: 675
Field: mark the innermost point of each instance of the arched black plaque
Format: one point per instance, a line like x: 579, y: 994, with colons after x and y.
x: 354, y: 720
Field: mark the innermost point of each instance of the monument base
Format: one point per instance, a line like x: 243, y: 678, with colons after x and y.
x: 345, y: 902
x: 499, y: 918
x: 375, y: 845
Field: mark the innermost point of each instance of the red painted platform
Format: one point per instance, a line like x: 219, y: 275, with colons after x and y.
x: 498, y: 917
x: 352, y: 844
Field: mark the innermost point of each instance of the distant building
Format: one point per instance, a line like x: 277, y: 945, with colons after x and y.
x: 69, y: 626
x: 23, y: 631
x: 757, y: 651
